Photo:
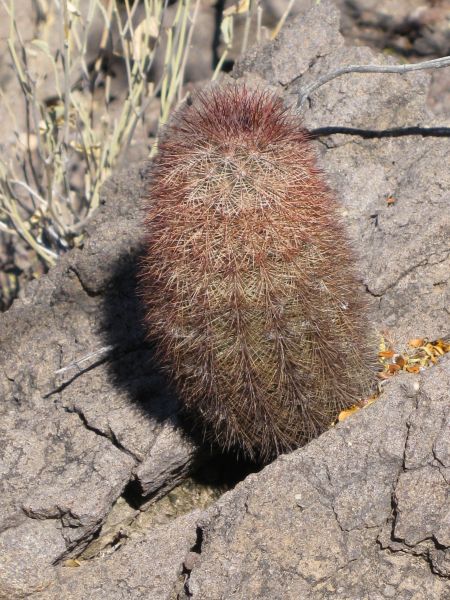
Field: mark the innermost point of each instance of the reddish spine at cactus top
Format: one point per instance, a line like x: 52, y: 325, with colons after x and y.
x: 248, y: 278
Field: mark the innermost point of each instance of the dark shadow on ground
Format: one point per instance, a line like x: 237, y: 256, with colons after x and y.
x: 133, y: 368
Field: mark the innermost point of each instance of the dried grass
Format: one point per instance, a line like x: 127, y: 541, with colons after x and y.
x: 42, y: 208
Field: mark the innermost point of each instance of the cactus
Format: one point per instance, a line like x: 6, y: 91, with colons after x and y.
x: 248, y: 277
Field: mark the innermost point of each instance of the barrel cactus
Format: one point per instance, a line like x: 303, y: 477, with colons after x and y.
x: 248, y: 277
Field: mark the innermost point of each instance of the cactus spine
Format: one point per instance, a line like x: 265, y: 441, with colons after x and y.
x: 248, y: 277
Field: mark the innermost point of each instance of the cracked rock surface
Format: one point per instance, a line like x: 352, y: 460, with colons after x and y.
x: 148, y: 566
x: 360, y: 513
x: 363, y: 511
x: 403, y: 246
x: 83, y: 412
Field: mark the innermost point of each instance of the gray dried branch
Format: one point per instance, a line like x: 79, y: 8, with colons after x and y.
x: 437, y: 63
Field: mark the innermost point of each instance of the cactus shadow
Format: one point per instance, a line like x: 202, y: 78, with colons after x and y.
x: 133, y: 368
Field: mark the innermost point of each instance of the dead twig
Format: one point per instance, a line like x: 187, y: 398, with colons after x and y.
x: 437, y: 63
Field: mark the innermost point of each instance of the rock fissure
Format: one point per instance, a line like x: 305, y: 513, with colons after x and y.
x: 274, y: 550
x: 370, y: 134
x: 111, y: 436
x: 86, y: 289
x: 394, y: 284
x: 423, y: 549
x: 191, y: 560
x: 320, y: 582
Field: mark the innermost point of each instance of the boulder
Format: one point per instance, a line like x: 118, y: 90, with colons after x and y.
x: 392, y: 149
x: 84, y: 413
x: 87, y: 421
x: 361, y: 512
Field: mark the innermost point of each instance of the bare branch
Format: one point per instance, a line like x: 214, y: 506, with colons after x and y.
x: 100, y: 353
x: 437, y: 63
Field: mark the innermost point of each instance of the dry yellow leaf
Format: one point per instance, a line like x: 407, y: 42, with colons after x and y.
x: 428, y: 349
x: 416, y: 342
x: 71, y: 562
x: 400, y: 361
x: 442, y: 345
x: 346, y: 413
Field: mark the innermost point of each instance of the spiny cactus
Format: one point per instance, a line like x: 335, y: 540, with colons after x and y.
x: 248, y: 277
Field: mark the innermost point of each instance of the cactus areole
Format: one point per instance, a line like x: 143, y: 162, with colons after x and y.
x: 248, y: 277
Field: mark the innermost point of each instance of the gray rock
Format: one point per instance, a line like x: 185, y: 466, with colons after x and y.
x: 83, y: 411
x: 139, y: 569
x: 409, y: 27
x: 408, y: 279
x: 413, y: 29
x: 163, y: 466
x: 345, y: 517
x: 361, y: 512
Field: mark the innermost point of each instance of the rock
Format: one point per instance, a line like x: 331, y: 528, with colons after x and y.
x: 139, y: 570
x: 412, y: 29
x: 408, y: 27
x: 439, y: 95
x: 83, y: 411
x: 361, y: 512
x: 408, y: 280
